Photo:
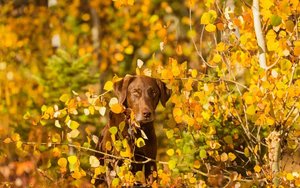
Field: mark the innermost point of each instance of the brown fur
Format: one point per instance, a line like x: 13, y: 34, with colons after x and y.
x: 140, y: 95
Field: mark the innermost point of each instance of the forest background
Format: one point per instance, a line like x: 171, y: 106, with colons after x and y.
x: 233, y: 67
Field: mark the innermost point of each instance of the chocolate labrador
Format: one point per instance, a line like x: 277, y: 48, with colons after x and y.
x: 140, y: 96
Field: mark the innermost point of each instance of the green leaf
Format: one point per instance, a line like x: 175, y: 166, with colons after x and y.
x: 203, y: 154
x: 172, y: 164
x: 64, y: 98
x: 113, y: 130
x: 73, y: 124
x: 140, y: 142
x: 276, y: 20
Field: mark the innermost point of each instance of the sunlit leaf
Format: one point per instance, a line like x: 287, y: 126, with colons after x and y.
x: 64, y: 98
x: 94, y: 162
x: 62, y: 162
x: 140, y: 142
x: 257, y: 168
x: 170, y: 152
x: 108, y: 85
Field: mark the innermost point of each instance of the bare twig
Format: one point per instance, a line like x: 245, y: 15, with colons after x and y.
x: 194, y: 43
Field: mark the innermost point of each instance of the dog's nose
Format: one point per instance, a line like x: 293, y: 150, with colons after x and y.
x: 147, y: 114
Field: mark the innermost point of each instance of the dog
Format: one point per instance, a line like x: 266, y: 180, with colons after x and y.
x: 140, y: 95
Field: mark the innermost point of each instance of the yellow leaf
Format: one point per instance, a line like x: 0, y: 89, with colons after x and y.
x: 130, y: 2
x: 177, y: 112
x: 117, y: 108
x: 108, y: 85
x: 15, y: 137
x: 140, y: 142
x: 7, y: 140
x: 170, y: 152
x: 72, y: 159
x: 193, y: 180
x: 170, y: 133
x: 289, y: 176
x: 231, y: 156
x: 115, y: 182
x: 221, y: 47
x: 76, y: 175
x: 224, y: 157
x: 172, y: 164
x: 179, y: 50
x: 62, y: 162
x: 257, y: 168
x: 217, y: 58
x: 73, y: 124
x: 100, y: 170
x: 210, y: 28
x: 94, y: 162
x: 194, y: 73
x: 108, y: 146
x: 250, y: 110
x: 175, y: 68
x: 119, y: 56
x: 197, y: 164
x: 64, y: 98
x: 129, y: 50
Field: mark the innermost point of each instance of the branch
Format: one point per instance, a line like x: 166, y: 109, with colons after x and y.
x: 147, y: 159
x: 194, y: 43
x: 259, y: 34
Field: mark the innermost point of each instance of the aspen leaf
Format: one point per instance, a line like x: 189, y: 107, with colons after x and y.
x: 7, y: 140
x: 72, y: 159
x: 113, y: 130
x: 113, y: 101
x: 139, y: 63
x: 250, y: 110
x: 257, y: 168
x: 203, y: 154
x: 62, y: 162
x: 275, y: 20
x: 217, y: 58
x: 289, y: 176
x: 108, y: 85
x: 117, y: 108
x: 170, y: 152
x: 172, y: 164
x: 73, y: 124
x: 57, y: 124
x: 170, y: 133
x: 100, y: 170
x: 102, y: 110
x: 140, y: 142
x: 94, y: 162
x: 74, y: 133
x: 231, y: 156
x: 115, y: 182
x: 64, y: 98
x: 194, y: 73
x: 224, y: 157
x: 179, y: 50
x: 193, y: 180
x: 196, y: 164
x: 210, y: 28
x: 108, y: 146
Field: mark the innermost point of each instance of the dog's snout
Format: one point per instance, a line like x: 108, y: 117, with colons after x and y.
x: 147, y: 114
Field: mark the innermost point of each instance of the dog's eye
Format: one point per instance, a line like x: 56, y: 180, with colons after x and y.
x: 152, y: 93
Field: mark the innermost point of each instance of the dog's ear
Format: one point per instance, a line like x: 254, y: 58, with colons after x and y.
x: 120, y: 88
x: 165, y: 93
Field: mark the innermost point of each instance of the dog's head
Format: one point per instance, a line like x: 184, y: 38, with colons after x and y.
x: 142, y: 94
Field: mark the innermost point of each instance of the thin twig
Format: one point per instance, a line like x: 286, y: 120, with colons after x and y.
x: 194, y: 43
